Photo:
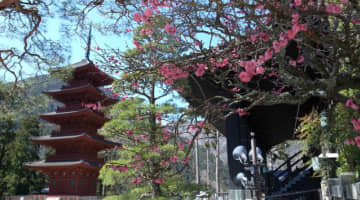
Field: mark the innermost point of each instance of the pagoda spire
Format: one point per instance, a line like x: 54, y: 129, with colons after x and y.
x: 87, y: 55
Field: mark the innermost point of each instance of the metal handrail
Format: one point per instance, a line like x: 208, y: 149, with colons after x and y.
x: 287, y: 160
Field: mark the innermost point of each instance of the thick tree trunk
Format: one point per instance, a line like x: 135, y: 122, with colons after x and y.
x: 156, y: 190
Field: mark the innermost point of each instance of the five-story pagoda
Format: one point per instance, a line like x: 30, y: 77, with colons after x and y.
x: 74, y: 168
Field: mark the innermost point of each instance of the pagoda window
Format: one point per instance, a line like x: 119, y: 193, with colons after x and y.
x: 72, y: 182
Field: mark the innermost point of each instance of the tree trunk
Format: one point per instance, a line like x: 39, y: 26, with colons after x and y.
x: 156, y: 190
x: 197, y: 175
x: 217, y: 163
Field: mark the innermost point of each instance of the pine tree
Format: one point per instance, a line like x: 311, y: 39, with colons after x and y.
x: 16, y: 148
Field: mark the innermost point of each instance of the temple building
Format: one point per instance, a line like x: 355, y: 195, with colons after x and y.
x: 74, y: 168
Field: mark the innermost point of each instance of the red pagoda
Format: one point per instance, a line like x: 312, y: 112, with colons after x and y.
x: 74, y: 168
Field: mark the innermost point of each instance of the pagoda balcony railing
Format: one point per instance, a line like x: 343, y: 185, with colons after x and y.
x: 74, y: 156
x: 75, y: 84
x: 76, y: 108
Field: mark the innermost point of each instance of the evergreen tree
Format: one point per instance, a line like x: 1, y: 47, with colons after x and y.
x: 16, y: 148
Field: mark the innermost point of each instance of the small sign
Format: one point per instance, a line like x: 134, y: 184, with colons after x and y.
x: 52, y: 198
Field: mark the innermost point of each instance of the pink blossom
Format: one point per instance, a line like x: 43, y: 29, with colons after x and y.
x: 138, y: 117
x: 148, y: 12
x: 222, y: 63
x: 166, y: 137
x: 170, y: 29
x: 165, y: 163
x: 260, y: 6
x: 300, y: 59
x: 186, y: 160
x: 188, y: 141
x: 123, y: 98
x: 173, y: 159
x: 295, y: 18
x: 128, y: 132
x: 241, y: 111
x: 276, y: 46
x: 350, y: 103
x: 357, y: 140
x: 259, y: 70
x: 333, y: 8
x: 138, y: 156
x: 180, y: 90
x: 235, y: 89
x: 139, y: 164
x: 138, y: 45
x: 136, y: 138
x: 292, y: 32
x: 356, y: 21
x: 181, y: 146
x: 158, y: 116
x: 137, y: 17
x: 356, y: 124
x: 123, y: 168
x: 245, y: 77
x: 298, y: 2
x: 136, y: 180
x: 159, y: 180
x: 268, y: 54
x: 292, y: 63
x: 349, y: 141
x: 201, y: 124
x: 197, y: 43
x: 201, y: 69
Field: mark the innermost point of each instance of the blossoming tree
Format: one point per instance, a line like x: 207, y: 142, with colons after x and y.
x: 146, y: 120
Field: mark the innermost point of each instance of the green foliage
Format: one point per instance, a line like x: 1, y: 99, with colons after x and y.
x: 15, y: 149
x: 334, y: 136
x: 63, y: 73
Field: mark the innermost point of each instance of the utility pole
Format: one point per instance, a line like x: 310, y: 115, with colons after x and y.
x: 207, y: 163
x: 217, y: 155
x: 197, y: 175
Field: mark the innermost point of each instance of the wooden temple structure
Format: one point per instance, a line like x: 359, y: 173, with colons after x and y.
x: 74, y: 168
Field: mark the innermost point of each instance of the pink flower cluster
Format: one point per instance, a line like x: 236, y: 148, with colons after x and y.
x: 260, y: 36
x: 200, y: 71
x: 159, y: 180
x: 354, y: 141
x: 350, y: 103
x: 241, y: 112
x: 136, y: 180
x: 356, y: 124
x: 171, y: 73
x: 170, y: 29
x: 146, y: 31
x: 333, y: 8
x: 174, y: 159
x: 165, y: 163
x: 121, y: 168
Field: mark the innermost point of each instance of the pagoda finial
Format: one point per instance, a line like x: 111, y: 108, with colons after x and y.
x: 87, y: 55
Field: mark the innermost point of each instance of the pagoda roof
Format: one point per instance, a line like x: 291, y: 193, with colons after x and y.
x: 54, y: 117
x: 85, y: 67
x: 49, y: 140
x: 94, y: 92
x: 77, y: 163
